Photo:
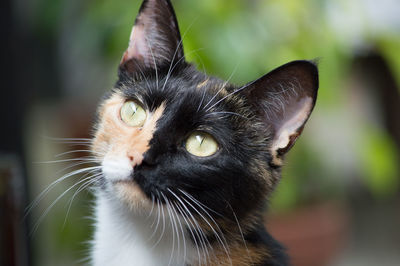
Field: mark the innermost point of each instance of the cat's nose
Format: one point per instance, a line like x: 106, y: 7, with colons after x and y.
x: 135, y: 158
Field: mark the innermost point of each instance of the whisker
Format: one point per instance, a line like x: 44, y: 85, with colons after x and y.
x: 53, y: 184
x: 68, y: 139
x: 93, y: 179
x: 230, y: 94
x: 223, y: 240
x: 190, y: 225
x: 88, y: 159
x: 163, y: 228
x: 154, y: 60
x: 74, y: 143
x: 158, y: 220
x: 182, y: 58
x: 74, y: 165
x: 54, y: 202
x: 240, y: 230
x: 144, y: 76
x: 204, y: 91
x: 176, y: 51
x: 228, y: 113
x: 78, y: 151
x: 182, y: 231
x: 152, y: 208
x: 222, y: 87
x: 202, y: 100
x: 172, y: 227
x: 175, y: 223
x: 203, y: 237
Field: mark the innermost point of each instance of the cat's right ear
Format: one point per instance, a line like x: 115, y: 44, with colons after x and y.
x: 155, y: 40
x: 284, y: 99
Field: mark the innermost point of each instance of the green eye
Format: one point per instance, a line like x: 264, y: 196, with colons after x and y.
x: 201, y: 144
x: 133, y: 114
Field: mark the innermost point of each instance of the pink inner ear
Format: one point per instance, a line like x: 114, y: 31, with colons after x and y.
x: 137, y: 46
x: 289, y: 128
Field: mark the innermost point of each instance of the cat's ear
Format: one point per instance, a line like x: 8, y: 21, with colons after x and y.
x: 284, y: 98
x: 155, y: 40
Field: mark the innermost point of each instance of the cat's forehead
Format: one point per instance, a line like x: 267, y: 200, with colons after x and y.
x: 189, y: 90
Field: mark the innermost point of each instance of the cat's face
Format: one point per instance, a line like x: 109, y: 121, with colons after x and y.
x: 170, y: 133
x: 190, y: 135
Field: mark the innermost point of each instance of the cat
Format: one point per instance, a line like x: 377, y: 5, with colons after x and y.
x: 188, y: 161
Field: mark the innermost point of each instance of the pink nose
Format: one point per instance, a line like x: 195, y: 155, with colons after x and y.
x: 135, y: 158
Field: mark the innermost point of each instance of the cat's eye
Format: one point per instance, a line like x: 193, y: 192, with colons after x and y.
x: 133, y: 114
x: 201, y: 144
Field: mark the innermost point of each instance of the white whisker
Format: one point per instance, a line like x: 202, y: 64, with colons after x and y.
x: 172, y: 227
x: 227, y: 113
x: 222, y: 240
x: 74, y: 165
x: 158, y: 220
x: 222, y: 87
x: 80, y: 151
x: 88, y: 159
x: 176, y: 51
x: 35, y: 227
x: 154, y: 60
x: 53, y: 184
x: 182, y: 231
x: 240, y: 230
x: 163, y: 227
x: 203, y: 237
x: 190, y: 225
x: 93, y: 179
x: 68, y: 139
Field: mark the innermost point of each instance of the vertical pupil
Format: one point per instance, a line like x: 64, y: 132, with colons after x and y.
x: 200, y: 139
x: 133, y: 109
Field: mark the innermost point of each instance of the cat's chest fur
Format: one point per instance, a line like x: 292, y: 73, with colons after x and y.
x: 126, y: 238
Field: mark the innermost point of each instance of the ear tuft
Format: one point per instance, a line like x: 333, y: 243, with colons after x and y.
x: 284, y: 99
x: 155, y: 40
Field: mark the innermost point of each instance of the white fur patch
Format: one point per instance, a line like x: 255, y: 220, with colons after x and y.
x: 127, y: 237
x: 116, y: 169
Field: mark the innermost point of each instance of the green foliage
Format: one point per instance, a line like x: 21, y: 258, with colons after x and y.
x: 389, y: 46
x: 380, y: 163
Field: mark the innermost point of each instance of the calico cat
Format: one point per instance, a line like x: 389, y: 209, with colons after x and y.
x: 188, y: 160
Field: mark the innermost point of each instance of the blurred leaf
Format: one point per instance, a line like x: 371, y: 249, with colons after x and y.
x: 380, y: 163
x: 389, y: 46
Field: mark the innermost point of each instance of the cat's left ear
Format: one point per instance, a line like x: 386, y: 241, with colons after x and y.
x: 284, y: 98
x: 155, y: 40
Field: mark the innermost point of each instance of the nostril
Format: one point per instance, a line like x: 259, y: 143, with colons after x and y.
x: 134, y: 158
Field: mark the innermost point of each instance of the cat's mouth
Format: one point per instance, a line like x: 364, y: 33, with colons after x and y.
x: 131, y: 193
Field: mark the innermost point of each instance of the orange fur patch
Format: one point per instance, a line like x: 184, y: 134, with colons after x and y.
x: 131, y: 193
x: 115, y: 138
x: 239, y: 255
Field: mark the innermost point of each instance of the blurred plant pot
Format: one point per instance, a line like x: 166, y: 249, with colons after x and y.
x: 313, y: 235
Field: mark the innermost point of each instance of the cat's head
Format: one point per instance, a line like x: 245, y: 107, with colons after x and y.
x: 167, y: 132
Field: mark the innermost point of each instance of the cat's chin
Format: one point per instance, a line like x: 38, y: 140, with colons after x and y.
x: 130, y: 193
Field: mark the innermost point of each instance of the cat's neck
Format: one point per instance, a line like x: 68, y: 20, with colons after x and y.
x: 123, y: 237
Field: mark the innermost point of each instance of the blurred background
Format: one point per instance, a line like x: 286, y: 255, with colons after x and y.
x: 339, y: 201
